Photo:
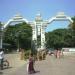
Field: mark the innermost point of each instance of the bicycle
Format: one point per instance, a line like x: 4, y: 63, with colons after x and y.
x: 5, y: 64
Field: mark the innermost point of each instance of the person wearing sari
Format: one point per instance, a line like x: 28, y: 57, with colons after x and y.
x: 30, y: 65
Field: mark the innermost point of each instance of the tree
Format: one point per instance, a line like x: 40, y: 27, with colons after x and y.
x: 72, y: 25
x: 19, y: 33
x: 72, y: 28
x: 59, y: 38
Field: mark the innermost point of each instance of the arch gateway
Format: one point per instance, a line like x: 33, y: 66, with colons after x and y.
x: 38, y: 26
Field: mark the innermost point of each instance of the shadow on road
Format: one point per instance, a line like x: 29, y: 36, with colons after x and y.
x: 37, y: 71
x: 34, y: 73
x: 1, y: 73
x: 7, y: 68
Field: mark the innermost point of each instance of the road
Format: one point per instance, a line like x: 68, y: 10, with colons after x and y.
x: 50, y: 66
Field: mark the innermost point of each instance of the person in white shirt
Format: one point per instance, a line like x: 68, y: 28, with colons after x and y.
x: 1, y: 58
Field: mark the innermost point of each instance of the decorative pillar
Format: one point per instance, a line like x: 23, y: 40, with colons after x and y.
x: 34, y: 36
x: 34, y: 33
x: 42, y: 37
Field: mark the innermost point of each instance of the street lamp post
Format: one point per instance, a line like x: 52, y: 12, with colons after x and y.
x: 34, y: 46
x: 1, y: 40
x: 1, y: 36
x: 18, y: 43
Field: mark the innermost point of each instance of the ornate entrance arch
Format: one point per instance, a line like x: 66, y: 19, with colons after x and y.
x: 16, y: 18
x: 19, y: 18
x: 38, y: 26
x: 59, y: 17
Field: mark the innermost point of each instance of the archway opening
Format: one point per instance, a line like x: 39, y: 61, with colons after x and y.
x: 58, y: 35
x: 57, y: 25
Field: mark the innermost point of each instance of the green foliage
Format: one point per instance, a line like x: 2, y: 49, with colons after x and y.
x: 62, y: 37
x: 72, y: 28
x: 0, y: 26
x: 18, y: 35
x: 72, y: 25
x: 59, y: 38
x: 26, y: 55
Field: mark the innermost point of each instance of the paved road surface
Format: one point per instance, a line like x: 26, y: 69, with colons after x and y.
x: 15, y: 63
x: 50, y: 66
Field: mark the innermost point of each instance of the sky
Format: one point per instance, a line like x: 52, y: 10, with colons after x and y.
x: 29, y: 8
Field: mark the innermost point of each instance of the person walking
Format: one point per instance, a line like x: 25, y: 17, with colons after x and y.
x: 22, y: 54
x: 30, y: 65
x: 59, y: 53
x: 55, y: 53
x: 1, y: 58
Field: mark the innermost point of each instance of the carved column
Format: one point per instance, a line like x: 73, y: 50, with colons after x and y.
x: 34, y: 33
x: 43, y: 27
x: 42, y: 37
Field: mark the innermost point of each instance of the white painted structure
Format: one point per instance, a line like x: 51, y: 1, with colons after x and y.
x: 38, y: 25
x: 68, y: 49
